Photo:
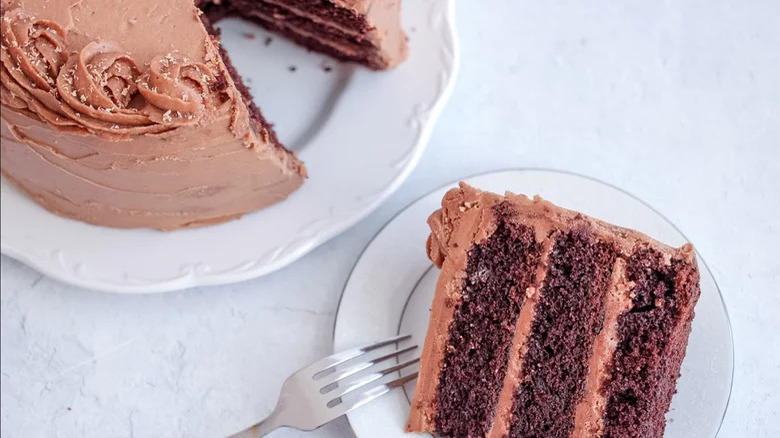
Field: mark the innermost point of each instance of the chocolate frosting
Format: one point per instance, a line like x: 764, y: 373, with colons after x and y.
x: 130, y: 119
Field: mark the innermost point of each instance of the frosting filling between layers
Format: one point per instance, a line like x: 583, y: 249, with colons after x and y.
x: 503, y: 416
x: 589, y: 414
x: 568, y: 316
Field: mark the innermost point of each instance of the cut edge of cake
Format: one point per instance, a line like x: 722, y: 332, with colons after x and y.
x: 261, y: 127
x: 366, y: 32
x: 482, y: 281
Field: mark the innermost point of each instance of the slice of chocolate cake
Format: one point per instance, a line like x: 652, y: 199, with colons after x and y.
x: 548, y: 323
x: 364, y: 31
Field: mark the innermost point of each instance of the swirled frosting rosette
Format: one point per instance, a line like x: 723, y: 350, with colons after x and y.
x: 98, y: 89
x: 35, y: 49
x: 33, y: 56
x: 176, y: 89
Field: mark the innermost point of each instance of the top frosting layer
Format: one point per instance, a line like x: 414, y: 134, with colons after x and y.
x: 85, y: 75
x: 447, y: 223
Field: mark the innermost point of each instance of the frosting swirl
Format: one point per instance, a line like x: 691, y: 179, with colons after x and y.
x: 105, y: 77
x: 97, y: 87
x: 34, y: 47
x: 32, y: 57
x: 177, y: 88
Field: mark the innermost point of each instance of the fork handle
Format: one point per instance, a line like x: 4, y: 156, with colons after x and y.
x: 260, y: 429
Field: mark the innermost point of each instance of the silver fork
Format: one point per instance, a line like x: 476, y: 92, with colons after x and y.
x: 314, y: 396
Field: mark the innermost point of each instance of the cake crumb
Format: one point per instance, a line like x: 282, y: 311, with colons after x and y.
x: 292, y: 68
x: 268, y: 41
x: 249, y: 35
x: 326, y: 67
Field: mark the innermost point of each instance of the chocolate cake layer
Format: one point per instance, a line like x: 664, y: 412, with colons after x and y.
x: 568, y: 317
x: 652, y: 339
x: 498, y: 273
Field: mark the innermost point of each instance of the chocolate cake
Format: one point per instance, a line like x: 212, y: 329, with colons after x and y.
x: 130, y: 114
x: 548, y: 323
x: 363, y: 31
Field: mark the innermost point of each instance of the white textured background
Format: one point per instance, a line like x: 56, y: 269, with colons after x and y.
x: 676, y: 101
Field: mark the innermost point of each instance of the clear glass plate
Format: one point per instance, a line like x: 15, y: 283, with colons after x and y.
x: 391, y: 288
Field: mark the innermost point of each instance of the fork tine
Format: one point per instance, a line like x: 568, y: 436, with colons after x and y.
x: 333, y: 378
x: 322, y: 365
x: 371, y: 394
x: 369, y: 379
